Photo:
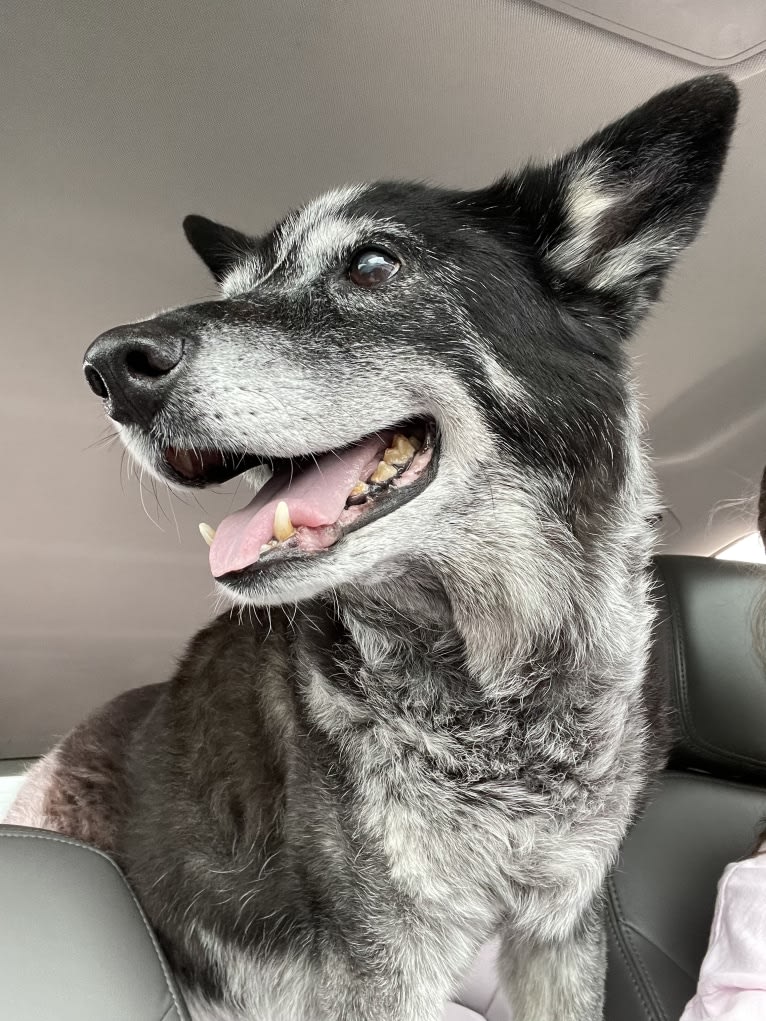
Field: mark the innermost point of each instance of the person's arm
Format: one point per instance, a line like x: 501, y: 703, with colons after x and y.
x: 732, y: 981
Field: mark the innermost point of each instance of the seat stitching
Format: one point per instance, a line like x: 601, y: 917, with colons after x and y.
x: 696, y: 740
x: 629, y: 955
x: 649, y: 1013
x: 627, y: 928
x: 687, y: 776
x: 644, y: 971
x: 70, y: 842
x: 653, y: 943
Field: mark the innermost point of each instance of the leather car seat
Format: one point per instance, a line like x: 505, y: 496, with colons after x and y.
x: 74, y: 943
x: 710, y: 653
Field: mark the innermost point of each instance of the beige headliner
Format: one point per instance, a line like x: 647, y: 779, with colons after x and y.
x: 119, y: 118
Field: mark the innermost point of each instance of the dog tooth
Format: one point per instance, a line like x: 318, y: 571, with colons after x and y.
x: 415, y: 442
x: 400, y: 453
x: 383, y: 472
x: 207, y: 533
x: 283, y: 526
x: 358, y: 494
x: 396, y: 458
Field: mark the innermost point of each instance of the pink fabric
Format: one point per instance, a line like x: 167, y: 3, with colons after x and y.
x: 732, y: 982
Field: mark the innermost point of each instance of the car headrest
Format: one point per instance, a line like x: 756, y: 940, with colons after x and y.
x: 711, y: 654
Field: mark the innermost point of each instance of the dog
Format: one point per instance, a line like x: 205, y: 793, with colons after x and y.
x: 431, y: 722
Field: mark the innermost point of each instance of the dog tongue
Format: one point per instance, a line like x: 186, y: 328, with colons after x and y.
x: 315, y: 497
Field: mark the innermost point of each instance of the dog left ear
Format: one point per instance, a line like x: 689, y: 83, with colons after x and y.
x: 607, y: 221
x: 218, y: 246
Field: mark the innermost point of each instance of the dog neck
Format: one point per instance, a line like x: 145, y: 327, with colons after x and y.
x: 419, y: 643
x: 406, y: 646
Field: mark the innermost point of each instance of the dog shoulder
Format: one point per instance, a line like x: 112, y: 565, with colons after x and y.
x: 80, y: 787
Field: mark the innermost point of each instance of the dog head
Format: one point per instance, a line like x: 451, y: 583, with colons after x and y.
x: 433, y: 378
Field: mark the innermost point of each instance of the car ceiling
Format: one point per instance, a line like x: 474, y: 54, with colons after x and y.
x: 118, y: 119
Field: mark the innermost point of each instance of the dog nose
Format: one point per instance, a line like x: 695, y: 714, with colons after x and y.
x: 132, y: 368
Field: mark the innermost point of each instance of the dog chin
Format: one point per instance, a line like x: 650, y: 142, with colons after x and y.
x: 307, y: 577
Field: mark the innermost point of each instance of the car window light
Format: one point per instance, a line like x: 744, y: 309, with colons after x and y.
x: 748, y: 548
x: 9, y: 786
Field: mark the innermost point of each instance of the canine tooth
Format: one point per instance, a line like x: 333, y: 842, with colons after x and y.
x: 415, y: 442
x: 283, y: 526
x: 383, y: 472
x: 207, y: 533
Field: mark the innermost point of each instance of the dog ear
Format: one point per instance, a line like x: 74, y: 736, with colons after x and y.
x: 219, y: 247
x: 607, y: 220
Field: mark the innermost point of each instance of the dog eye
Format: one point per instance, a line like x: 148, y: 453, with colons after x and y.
x: 372, y: 267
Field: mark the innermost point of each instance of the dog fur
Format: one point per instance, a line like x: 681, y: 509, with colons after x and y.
x: 440, y: 730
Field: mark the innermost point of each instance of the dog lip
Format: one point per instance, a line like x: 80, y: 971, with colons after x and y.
x: 205, y: 467
x: 199, y: 468
x: 238, y: 579
x: 191, y: 464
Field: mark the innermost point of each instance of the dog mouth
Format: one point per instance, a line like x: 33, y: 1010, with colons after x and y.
x: 310, y: 502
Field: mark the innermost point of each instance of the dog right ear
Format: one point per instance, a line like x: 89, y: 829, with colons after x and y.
x: 218, y: 246
x: 605, y: 222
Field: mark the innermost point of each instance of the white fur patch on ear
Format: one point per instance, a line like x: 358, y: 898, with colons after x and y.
x: 587, y: 200
x: 591, y: 250
x: 586, y: 204
x: 628, y: 261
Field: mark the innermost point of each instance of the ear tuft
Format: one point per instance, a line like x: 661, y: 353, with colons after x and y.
x: 218, y: 246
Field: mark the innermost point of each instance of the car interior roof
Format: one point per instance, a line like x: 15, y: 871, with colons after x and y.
x: 119, y: 119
